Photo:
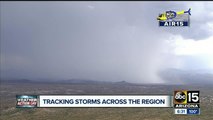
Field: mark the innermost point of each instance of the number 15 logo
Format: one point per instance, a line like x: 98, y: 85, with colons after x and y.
x: 193, y: 96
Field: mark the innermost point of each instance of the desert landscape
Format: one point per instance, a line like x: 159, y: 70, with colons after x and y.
x: 10, y: 112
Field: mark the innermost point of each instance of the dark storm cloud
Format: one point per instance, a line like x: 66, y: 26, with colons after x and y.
x: 90, y: 40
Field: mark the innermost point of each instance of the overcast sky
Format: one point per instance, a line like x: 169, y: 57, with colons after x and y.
x: 109, y: 41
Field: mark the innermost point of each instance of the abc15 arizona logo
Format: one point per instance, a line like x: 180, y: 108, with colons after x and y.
x: 186, y: 97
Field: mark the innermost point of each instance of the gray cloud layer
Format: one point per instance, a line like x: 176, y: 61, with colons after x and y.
x: 91, y: 40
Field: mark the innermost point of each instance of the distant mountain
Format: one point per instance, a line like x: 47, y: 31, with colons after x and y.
x: 70, y: 81
x: 16, y: 81
x: 177, y: 76
x: 122, y: 82
x: 80, y: 81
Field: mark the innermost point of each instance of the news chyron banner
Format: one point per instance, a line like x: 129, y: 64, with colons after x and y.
x: 93, y: 101
x: 182, y: 101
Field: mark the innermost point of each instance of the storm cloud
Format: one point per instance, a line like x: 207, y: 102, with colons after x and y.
x: 110, y: 41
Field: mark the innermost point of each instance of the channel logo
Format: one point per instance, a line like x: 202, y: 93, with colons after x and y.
x: 185, y: 97
x: 180, y: 97
x: 174, y: 18
x: 187, y: 102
